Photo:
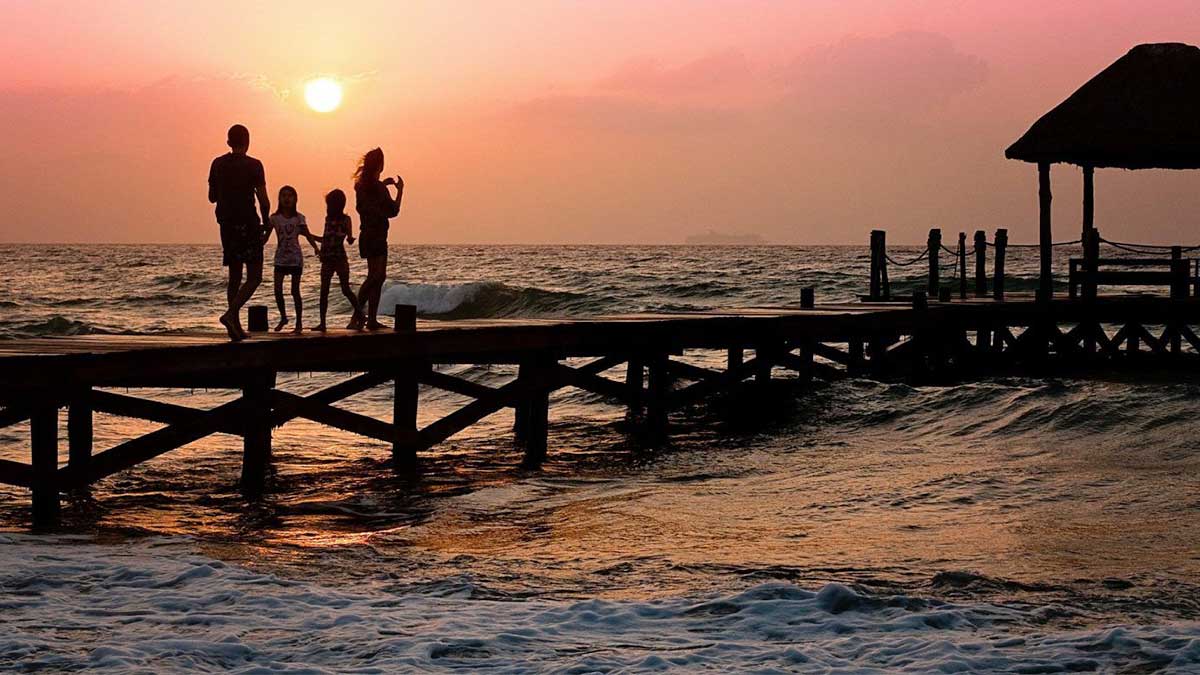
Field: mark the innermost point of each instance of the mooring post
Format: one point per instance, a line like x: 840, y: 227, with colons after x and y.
x: 256, y: 319
x: 256, y: 430
x: 980, y: 264
x: 657, y: 395
x: 808, y: 298
x: 962, y: 265
x: 79, y: 430
x: 405, y: 318
x: 635, y: 376
x: 43, y: 437
x: 934, y: 247
x: 998, y: 282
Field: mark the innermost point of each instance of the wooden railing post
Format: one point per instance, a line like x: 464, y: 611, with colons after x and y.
x: 980, y: 264
x: 875, y: 291
x: 1179, y: 274
x: 1001, y: 246
x: 962, y: 265
x: 43, y: 437
x: 934, y: 247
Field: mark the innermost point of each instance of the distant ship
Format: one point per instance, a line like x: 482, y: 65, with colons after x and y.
x: 713, y: 238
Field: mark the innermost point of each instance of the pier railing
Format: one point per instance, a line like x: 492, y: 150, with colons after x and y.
x: 1181, y: 276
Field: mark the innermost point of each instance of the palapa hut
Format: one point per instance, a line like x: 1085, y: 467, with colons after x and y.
x: 1142, y: 112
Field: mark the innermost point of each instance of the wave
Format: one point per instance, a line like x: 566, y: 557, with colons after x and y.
x: 53, y: 326
x: 159, y: 606
x: 486, y: 299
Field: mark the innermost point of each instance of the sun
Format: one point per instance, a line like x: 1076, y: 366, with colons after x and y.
x: 323, y: 94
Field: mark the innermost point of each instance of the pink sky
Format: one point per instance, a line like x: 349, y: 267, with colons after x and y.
x: 804, y: 121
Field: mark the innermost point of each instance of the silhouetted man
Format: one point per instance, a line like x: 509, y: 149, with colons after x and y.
x: 234, y: 180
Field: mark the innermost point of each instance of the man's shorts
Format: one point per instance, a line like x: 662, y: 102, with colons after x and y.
x: 241, y: 243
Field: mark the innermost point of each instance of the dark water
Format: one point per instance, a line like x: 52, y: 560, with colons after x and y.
x: 1006, y: 525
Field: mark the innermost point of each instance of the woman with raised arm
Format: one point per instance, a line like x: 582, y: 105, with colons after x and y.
x: 375, y: 206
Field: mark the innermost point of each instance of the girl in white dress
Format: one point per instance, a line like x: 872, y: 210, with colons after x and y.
x: 289, y: 225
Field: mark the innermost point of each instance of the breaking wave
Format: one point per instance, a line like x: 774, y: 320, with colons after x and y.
x: 487, y: 299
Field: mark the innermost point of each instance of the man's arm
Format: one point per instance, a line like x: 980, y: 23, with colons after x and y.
x: 212, y: 188
x: 264, y: 205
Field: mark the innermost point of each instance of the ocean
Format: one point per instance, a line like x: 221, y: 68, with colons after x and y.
x: 1024, y: 525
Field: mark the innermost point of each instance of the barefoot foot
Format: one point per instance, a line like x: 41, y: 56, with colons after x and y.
x: 283, y: 321
x: 231, y: 327
x: 319, y: 328
x: 375, y: 325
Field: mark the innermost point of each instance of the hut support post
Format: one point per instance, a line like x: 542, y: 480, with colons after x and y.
x: 1045, y: 234
x: 980, y: 264
x: 1001, y: 246
x: 962, y: 265
x: 43, y: 437
x: 934, y: 247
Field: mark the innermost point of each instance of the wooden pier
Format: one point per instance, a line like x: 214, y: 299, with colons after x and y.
x: 921, y: 340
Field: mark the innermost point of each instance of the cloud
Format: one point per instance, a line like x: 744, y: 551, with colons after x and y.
x: 896, y: 75
x: 617, y: 114
x: 720, y: 71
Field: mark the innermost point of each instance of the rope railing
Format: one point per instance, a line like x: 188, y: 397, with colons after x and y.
x: 1146, y: 248
x: 914, y: 261
x: 1055, y: 244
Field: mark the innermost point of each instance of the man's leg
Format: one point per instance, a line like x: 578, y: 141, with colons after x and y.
x: 235, y: 282
x: 233, y: 319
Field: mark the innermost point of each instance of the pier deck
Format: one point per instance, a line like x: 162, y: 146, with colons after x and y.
x: 40, y: 377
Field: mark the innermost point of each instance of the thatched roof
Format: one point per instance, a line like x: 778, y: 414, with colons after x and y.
x: 1141, y: 112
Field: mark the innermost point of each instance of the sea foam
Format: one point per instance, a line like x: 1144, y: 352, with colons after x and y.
x: 158, y: 606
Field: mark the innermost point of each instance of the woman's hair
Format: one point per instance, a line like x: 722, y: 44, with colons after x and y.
x: 286, y: 188
x: 335, y: 203
x: 369, y: 167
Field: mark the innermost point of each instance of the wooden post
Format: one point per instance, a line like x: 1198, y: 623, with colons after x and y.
x: 855, y: 348
x: 635, y: 375
x: 980, y: 264
x: 806, y: 359
x: 885, y: 286
x: 934, y: 247
x: 1089, y: 200
x: 256, y: 318
x: 1045, y: 234
x: 79, y: 430
x: 405, y: 402
x: 657, y: 395
x: 1179, y: 274
x: 919, y: 301
x: 875, y: 292
x: 998, y: 282
x: 256, y: 431
x: 962, y: 265
x: 1091, y: 254
x: 535, y: 371
x: 406, y: 318
x: 43, y: 432
x: 807, y: 298
x: 762, y: 373
x: 734, y: 358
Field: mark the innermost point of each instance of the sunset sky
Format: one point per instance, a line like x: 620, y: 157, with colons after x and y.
x: 535, y: 121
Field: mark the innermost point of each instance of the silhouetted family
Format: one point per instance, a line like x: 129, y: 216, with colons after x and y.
x: 236, y: 181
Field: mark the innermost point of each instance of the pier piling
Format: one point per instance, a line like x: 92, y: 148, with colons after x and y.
x: 43, y: 431
x: 256, y: 423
